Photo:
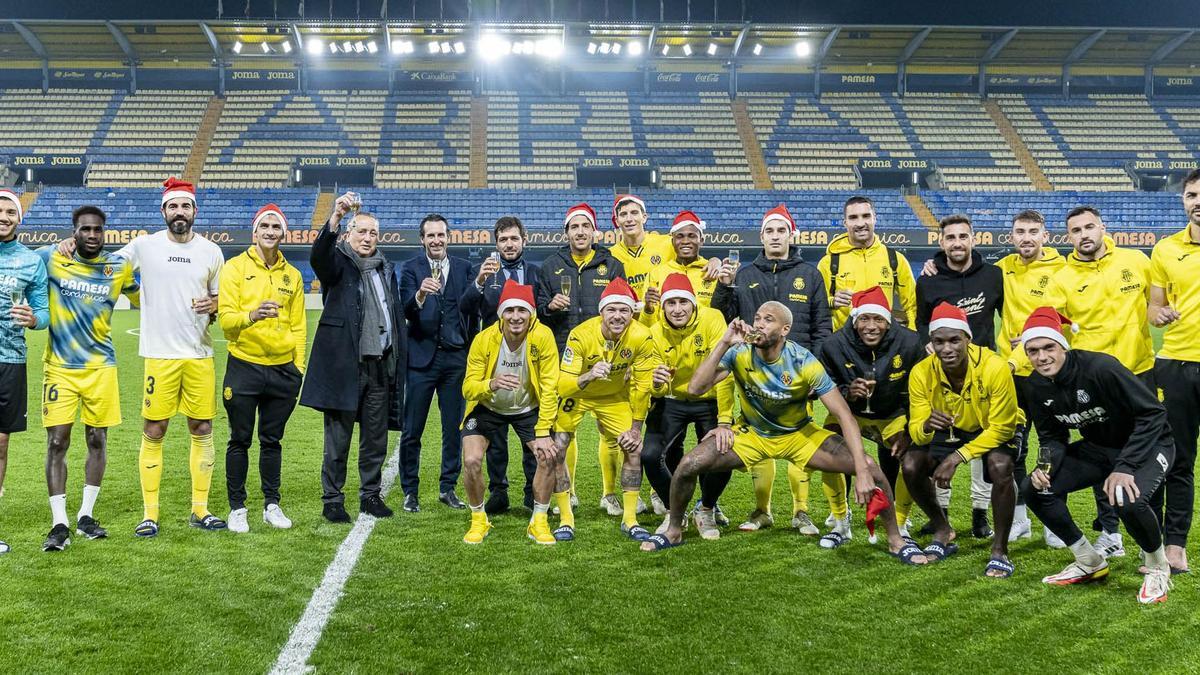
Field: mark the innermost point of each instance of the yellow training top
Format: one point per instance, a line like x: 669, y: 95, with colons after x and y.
x: 684, y: 349
x: 1173, y: 269
x: 1107, y: 298
x: 634, y: 353
x: 862, y: 268
x: 541, y: 357
x: 246, y: 282
x: 655, y: 250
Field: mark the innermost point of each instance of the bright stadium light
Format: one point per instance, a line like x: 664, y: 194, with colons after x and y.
x: 347, y: 46
x: 434, y: 48
x: 635, y: 48
x: 445, y: 46
x: 687, y: 50
x: 332, y: 48
x: 460, y: 48
x: 803, y: 49
x: 591, y: 48
x: 605, y: 48
x: 237, y: 48
x: 287, y: 47
x: 315, y: 46
x: 372, y: 47
x: 265, y: 47
x: 359, y: 47
x: 616, y: 48
x: 712, y: 49
x: 492, y: 46
x: 757, y: 49
x: 666, y: 50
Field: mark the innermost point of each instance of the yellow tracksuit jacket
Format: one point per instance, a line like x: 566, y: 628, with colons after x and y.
x: 1108, y: 298
x: 541, y: 357
x: 862, y: 268
x: 246, y: 282
x: 684, y: 349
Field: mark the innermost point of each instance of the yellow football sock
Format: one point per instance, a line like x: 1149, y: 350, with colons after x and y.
x: 572, y: 458
x: 904, y: 501
x: 610, y: 464
x: 762, y: 475
x: 150, y: 468
x: 798, y: 480
x: 202, y: 470
x: 834, y: 486
x: 629, y: 501
x: 565, y: 515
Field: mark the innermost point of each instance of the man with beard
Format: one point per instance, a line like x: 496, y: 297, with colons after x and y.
x: 869, y: 359
x: 964, y: 280
x: 1175, y: 304
x: 482, y: 298
x: 512, y: 381
x: 780, y: 274
x: 262, y: 315
x: 1107, y: 296
x: 1125, y: 447
x: 607, y: 369
x: 587, y: 268
x: 962, y: 405
x: 80, y: 367
x: 775, y: 378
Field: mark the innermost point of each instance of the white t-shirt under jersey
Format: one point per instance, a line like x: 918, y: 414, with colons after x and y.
x: 514, y: 402
x: 174, y: 274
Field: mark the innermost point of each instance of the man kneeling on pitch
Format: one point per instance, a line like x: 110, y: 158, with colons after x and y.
x: 962, y: 405
x: 774, y: 377
x: 1126, y: 445
x: 512, y: 380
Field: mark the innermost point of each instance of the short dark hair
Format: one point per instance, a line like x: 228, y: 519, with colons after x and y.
x: 87, y: 210
x: 857, y: 199
x: 955, y: 219
x: 1080, y: 210
x: 432, y: 218
x: 1030, y: 215
x: 1192, y: 177
x: 507, y: 223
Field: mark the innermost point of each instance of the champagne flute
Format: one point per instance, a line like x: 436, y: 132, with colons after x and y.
x: 951, y: 437
x: 496, y: 277
x: 16, y: 296
x: 564, y: 283
x: 610, y: 351
x: 1043, y: 463
x: 435, y: 271
x: 200, y: 319
x: 355, y: 203
x: 734, y: 258
x: 281, y: 300
x: 870, y: 392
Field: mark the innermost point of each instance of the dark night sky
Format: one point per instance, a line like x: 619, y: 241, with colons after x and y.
x: 1117, y: 13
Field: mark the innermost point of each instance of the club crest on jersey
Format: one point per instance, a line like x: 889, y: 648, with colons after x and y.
x: 471, y: 424
x: 885, y: 272
x: 602, y: 270
x: 656, y: 260
x: 787, y: 378
x: 798, y: 284
x: 1126, y: 275
x: 897, y: 362
x: 626, y: 353
x: 108, y: 271
x: 1082, y: 396
x: 1043, y: 281
x: 699, y: 340
x: 228, y: 393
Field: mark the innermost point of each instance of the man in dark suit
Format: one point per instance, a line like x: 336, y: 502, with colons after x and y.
x: 440, y: 329
x: 357, y: 363
x: 482, y: 298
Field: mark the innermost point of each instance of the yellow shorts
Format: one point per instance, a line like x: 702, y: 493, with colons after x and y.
x: 188, y: 386
x: 66, y: 390
x: 797, y: 447
x: 876, y: 431
x: 613, y: 416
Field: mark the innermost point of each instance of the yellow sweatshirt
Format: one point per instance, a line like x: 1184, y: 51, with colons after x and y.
x: 987, y: 403
x: 635, y: 353
x: 862, y: 268
x: 656, y: 249
x: 695, y: 274
x: 541, y: 357
x: 684, y: 349
x: 1108, y: 298
x: 246, y: 282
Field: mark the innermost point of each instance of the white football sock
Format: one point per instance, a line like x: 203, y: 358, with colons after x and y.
x: 90, y: 493
x: 58, y: 509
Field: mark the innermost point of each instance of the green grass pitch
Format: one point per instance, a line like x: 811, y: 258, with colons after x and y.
x: 420, y: 600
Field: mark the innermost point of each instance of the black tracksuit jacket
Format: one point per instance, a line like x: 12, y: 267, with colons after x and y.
x: 791, y: 281
x: 587, y: 285
x: 847, y: 358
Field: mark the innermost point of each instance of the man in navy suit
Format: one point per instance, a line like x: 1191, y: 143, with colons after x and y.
x: 440, y: 329
x: 482, y: 298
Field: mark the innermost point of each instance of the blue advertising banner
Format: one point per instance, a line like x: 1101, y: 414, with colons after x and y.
x: 584, y: 80
x: 178, y: 78
x: 1107, y: 84
x: 20, y: 78
x: 881, y: 82
x: 433, y: 80
x: 320, y: 78
x: 530, y: 80
x: 678, y: 81
x: 262, y: 79
x: 789, y: 82
x: 1023, y: 83
x: 940, y: 82
x: 1176, y: 86
x: 40, y: 161
x: 88, y: 78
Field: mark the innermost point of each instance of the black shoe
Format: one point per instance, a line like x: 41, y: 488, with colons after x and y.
x: 496, y: 503
x: 529, y: 500
x: 927, y: 529
x: 58, y: 539
x: 335, y: 512
x: 374, y: 506
x: 450, y: 499
x: 209, y: 522
x: 411, y: 504
x: 90, y: 528
x: 979, y: 524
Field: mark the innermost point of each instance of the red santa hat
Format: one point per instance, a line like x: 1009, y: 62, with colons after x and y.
x: 686, y: 218
x: 1046, y: 322
x: 621, y: 199
x: 781, y: 214
x: 581, y: 210
x: 678, y: 286
x: 269, y: 210
x: 619, y: 290
x: 871, y: 301
x: 12, y: 197
x: 947, y: 315
x: 516, y: 295
x: 173, y: 188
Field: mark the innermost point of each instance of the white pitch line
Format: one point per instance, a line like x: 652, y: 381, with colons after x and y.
x: 305, y: 635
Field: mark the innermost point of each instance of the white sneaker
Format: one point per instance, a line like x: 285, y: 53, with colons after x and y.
x: 706, y: 523
x: 904, y: 529
x: 1110, y: 545
x: 802, y: 522
x: 660, y: 509
x: 273, y: 516
x: 641, y: 506
x: 4, y: 548
x: 830, y: 521
x: 611, y: 505
x: 1155, y: 585
x: 237, y: 521
x: 1077, y: 573
x: 574, y: 505
x: 840, y: 534
x: 1021, y: 529
x: 664, y: 526
x: 1052, y: 539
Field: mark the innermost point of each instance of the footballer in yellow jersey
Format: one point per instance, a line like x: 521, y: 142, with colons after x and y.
x: 606, y: 369
x: 80, y: 371
x: 687, y: 236
x: 641, y: 251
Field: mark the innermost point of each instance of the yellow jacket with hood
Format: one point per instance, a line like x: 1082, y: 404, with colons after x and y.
x: 862, y: 268
x: 684, y: 349
x: 541, y: 357
x: 246, y: 282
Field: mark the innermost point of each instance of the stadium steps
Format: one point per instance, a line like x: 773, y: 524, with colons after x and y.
x: 27, y: 199
x: 203, y: 140
x: 479, y: 128
x: 922, y: 211
x: 751, y: 146
x: 321, y: 209
x: 1020, y: 150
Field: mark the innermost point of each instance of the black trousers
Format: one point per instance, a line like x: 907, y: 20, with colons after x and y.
x: 372, y: 417
x: 268, y: 393
x: 666, y: 428
x: 1088, y: 465
x: 1106, y: 515
x: 497, y: 464
x: 444, y: 375
x: 1180, y: 382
